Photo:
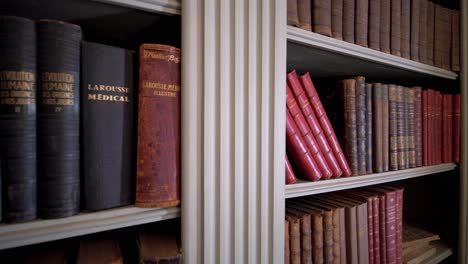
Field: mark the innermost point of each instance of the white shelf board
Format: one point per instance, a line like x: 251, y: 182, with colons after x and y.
x: 442, y: 252
x: 169, y: 7
x: 322, y: 55
x: 38, y: 231
x: 303, y: 188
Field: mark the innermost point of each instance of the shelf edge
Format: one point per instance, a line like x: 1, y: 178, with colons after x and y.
x: 169, y: 7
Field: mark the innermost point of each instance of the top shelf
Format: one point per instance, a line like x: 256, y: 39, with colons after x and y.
x: 330, y: 57
x: 168, y: 7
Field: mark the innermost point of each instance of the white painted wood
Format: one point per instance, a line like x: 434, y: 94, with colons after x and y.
x: 304, y: 188
x: 38, y: 231
x: 169, y: 7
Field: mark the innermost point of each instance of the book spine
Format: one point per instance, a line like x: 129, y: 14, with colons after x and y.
x: 391, y: 226
x: 425, y: 128
x: 456, y: 127
x: 337, y: 19
x: 374, y: 24
x: 336, y: 236
x: 447, y: 128
x: 399, y: 226
x: 383, y: 229
x: 385, y: 128
x: 430, y: 33
x: 415, y: 20
x: 369, y: 125
x: 455, y: 16
x: 348, y: 20
x: 378, y: 126
x: 362, y: 19
x: 293, y: 18
x: 158, y: 132
x: 328, y: 242
x: 351, y: 236
x: 418, y: 126
x: 325, y: 123
x: 18, y: 154
x: 405, y: 28
x: 423, y: 31
x: 306, y: 238
x: 401, y: 140
x: 322, y: 17
x: 287, y: 248
x: 393, y: 106
x: 385, y: 8
x: 431, y: 132
x: 395, y: 29
x: 295, y: 239
x: 362, y: 234
x: 439, y: 127
x: 441, y: 43
x: 58, y: 126
x: 411, y: 129
x: 376, y: 212
x: 361, y: 125
x: 350, y: 134
x: 304, y: 14
x: 406, y: 137
x: 370, y: 229
x: 447, y: 39
x: 290, y: 176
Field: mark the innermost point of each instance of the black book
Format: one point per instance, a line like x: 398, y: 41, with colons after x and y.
x: 18, y: 153
x: 58, y: 127
x: 107, y: 107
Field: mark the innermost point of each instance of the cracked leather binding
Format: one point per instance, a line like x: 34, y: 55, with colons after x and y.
x: 395, y: 29
x: 415, y: 22
x: 405, y: 28
x: 418, y: 125
x: 378, y: 128
x: 423, y: 31
x: 385, y: 9
x: 455, y: 54
x: 430, y: 33
x: 393, y: 126
x: 361, y: 125
x: 374, y: 24
x: 337, y: 19
x: 362, y: 19
x: 322, y: 20
x: 348, y: 20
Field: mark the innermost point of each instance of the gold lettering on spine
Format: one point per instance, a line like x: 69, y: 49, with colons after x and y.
x: 119, y: 96
x: 17, y: 88
x: 57, y: 89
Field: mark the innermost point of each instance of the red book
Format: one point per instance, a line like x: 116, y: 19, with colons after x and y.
x: 307, y: 135
x: 447, y: 128
x: 439, y: 127
x: 456, y: 128
x: 325, y: 123
x: 425, y: 130
x: 290, y: 176
x: 299, y: 153
x: 431, y: 127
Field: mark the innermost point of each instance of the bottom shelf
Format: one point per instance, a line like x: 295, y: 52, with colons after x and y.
x: 442, y: 252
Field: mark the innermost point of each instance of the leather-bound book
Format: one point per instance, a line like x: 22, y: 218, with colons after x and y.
x: 305, y: 230
x: 295, y: 238
x: 159, y: 247
x: 406, y: 138
x: 18, y: 154
x: 401, y: 131
x: 378, y: 128
x: 423, y: 31
x: 405, y: 28
x: 158, y: 147
x: 395, y: 28
x: 382, y: 228
x: 107, y: 105
x: 369, y: 128
x: 430, y: 33
x: 399, y: 219
x: 287, y: 249
x: 411, y: 127
x: 418, y: 126
x: 385, y: 128
x: 393, y: 107
x: 327, y: 128
x: 321, y: 17
x: 348, y: 20
x: 456, y: 128
x: 455, y: 51
x: 415, y: 21
x: 99, y: 251
x: 58, y: 125
x: 447, y: 128
x: 438, y: 129
x: 300, y: 154
x: 290, y: 176
x: 350, y: 124
x: 431, y: 132
x: 442, y: 26
x: 293, y: 18
x: 361, y: 125
x: 447, y: 39
x: 337, y: 19
x: 425, y: 128
x: 301, y: 110
x: 385, y: 9
x: 362, y: 19
x: 374, y: 24
x: 304, y: 14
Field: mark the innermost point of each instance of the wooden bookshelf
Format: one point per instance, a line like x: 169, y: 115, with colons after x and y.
x: 168, y: 7
x: 442, y: 252
x: 303, y: 188
x: 38, y: 231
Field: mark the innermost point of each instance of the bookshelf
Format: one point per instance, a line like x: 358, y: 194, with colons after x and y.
x: 442, y: 253
x: 168, y: 7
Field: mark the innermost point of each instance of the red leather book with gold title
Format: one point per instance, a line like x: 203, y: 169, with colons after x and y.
x: 158, y: 147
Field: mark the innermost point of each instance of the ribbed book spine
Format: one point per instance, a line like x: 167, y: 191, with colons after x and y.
x: 418, y: 126
x: 337, y: 19
x: 362, y: 19
x: 401, y: 128
x: 295, y: 239
x: 439, y: 126
x: 385, y: 128
x: 405, y: 28
x: 293, y: 18
x: 385, y: 8
x: 18, y: 155
x: 430, y: 33
x: 350, y: 123
x: 321, y: 17
x: 441, y: 42
x: 447, y: 128
x: 348, y: 20
x: 290, y: 176
x: 415, y: 17
x: 393, y: 106
x: 395, y: 28
x: 423, y: 31
x: 369, y: 124
x: 378, y: 128
x: 425, y: 127
x: 304, y: 14
x: 374, y: 24
x: 361, y: 125
x: 287, y: 248
x: 455, y: 51
x: 456, y: 127
x: 58, y: 127
x: 411, y: 129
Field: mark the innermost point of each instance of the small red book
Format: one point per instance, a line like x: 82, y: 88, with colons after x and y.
x: 290, y: 176
x: 456, y: 127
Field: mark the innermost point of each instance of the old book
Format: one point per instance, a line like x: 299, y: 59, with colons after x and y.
x: 393, y: 123
x: 99, y: 251
x: 431, y: 128
x: 385, y: 9
x: 361, y: 125
x: 107, y: 92
x: 374, y: 24
x: 350, y: 124
x: 295, y: 238
x: 425, y: 128
x: 447, y: 39
x: 293, y: 18
x: 158, y: 247
x: 290, y: 176
x: 442, y: 27
x: 362, y: 19
x: 405, y: 29
x: 414, y: 235
x: 406, y: 117
x: 401, y: 131
x: 456, y: 127
x: 455, y: 51
x: 337, y: 19
x: 399, y: 219
x: 418, y: 126
x: 385, y: 128
x: 305, y: 219
x: 430, y: 33
x: 304, y: 14
x: 415, y: 22
x: 18, y: 154
x: 382, y: 228
x: 411, y: 128
x: 378, y: 128
x: 158, y: 146
x: 348, y: 20
x: 438, y: 130
x: 322, y: 20
x: 369, y: 121
x: 325, y: 123
x: 287, y: 250
x: 447, y: 128
x: 423, y: 31
x: 395, y: 27
x: 58, y: 125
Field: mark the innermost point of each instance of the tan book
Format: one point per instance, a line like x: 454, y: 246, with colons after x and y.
x: 413, y: 235
x: 99, y: 251
x: 305, y: 232
x: 158, y: 247
x: 419, y: 255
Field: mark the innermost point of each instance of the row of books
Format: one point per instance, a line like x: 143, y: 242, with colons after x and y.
x: 355, y: 226
x: 413, y: 29
x: 78, y: 135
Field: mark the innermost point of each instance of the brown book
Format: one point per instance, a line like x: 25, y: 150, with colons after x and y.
x: 395, y: 27
x: 401, y: 129
x: 374, y: 24
x: 369, y: 124
x: 393, y: 106
x: 287, y: 249
x: 448, y: 40
x: 348, y: 20
x: 304, y: 14
x: 295, y: 238
x: 361, y: 125
x: 385, y: 9
x: 430, y: 33
x: 378, y: 127
x: 411, y: 136
x: 423, y: 31
x: 418, y: 125
x: 99, y: 251
x: 337, y: 19
x: 385, y: 128
x: 293, y: 18
x: 405, y: 28
x: 406, y: 138
x: 415, y: 21
x: 322, y: 20
x: 305, y: 231
x: 350, y: 126
x: 362, y: 18
x: 442, y: 30
x: 160, y: 246
x: 158, y: 147
x: 455, y: 40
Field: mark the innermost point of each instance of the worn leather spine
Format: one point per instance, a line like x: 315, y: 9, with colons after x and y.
x: 99, y: 251
x: 293, y: 18
x: 385, y: 128
x: 369, y: 128
x: 438, y: 129
x: 158, y: 146
x: 362, y: 19
x: 295, y: 238
x: 385, y: 8
x: 418, y: 126
x: 431, y: 127
x: 350, y: 123
x: 415, y: 22
x: 425, y: 127
x: 411, y: 128
x: 361, y: 125
x: 377, y: 123
x: 374, y: 24
x: 401, y: 131
x: 305, y: 232
x: 405, y: 28
x: 455, y: 51
x: 447, y: 128
x: 430, y: 33
x: 423, y: 31
x: 337, y: 19
x: 58, y: 126
x: 456, y: 127
x: 395, y: 27
x: 406, y: 135
x: 304, y: 14
x: 290, y: 176
x: 441, y: 43
x: 287, y: 248
x: 447, y: 39
x: 322, y: 20
x: 393, y: 106
x: 348, y: 20
x: 18, y: 153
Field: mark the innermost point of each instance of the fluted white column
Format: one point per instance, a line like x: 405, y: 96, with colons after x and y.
x: 233, y: 130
